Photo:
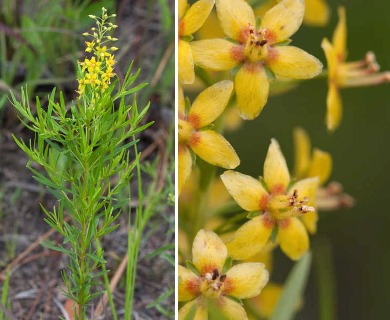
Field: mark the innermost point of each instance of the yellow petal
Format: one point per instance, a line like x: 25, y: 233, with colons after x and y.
x: 316, y: 13
x: 301, y: 152
x: 266, y: 302
x: 292, y: 62
x: 321, y: 165
x: 252, y: 87
x: 250, y: 238
x: 246, y: 280
x: 231, y: 119
x: 195, y: 16
x: 231, y: 310
x: 211, y: 28
x: 198, y: 305
x: 182, y: 8
x: 331, y: 59
x: 306, y: 188
x: 208, y: 252
x: 188, y: 284
x: 276, y: 174
x: 334, y: 108
x: 284, y: 19
x: 186, y: 63
x: 210, y: 104
x: 264, y: 256
x: 185, y: 165
x: 214, y: 149
x: 181, y: 102
x: 216, y: 54
x: 310, y: 220
x: 246, y: 191
x: 293, y: 238
x: 234, y: 16
x: 339, y: 39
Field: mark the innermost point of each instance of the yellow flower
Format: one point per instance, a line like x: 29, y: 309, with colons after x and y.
x: 280, y: 202
x: 92, y: 79
x: 92, y: 65
x: 101, y: 52
x: 190, y: 20
x: 257, y: 50
x: 209, y: 286
x: 90, y: 46
x: 343, y: 74
x: 110, y: 61
x: 316, y: 11
x: 317, y: 164
x: 195, y: 134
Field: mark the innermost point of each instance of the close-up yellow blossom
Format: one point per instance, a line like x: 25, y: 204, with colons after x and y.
x: 208, y: 286
x: 278, y: 202
x: 342, y: 74
x: 191, y: 18
x: 260, y: 51
x: 195, y: 131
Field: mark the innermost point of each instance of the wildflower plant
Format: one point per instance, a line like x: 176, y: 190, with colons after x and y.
x: 248, y: 57
x: 84, y: 149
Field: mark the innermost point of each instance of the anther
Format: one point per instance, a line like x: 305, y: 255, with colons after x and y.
x: 263, y: 42
x: 215, y: 274
x: 222, y: 278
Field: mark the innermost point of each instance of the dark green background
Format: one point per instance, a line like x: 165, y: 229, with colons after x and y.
x: 360, y: 237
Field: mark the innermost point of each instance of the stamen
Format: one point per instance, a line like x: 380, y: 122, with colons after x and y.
x: 208, y: 276
x: 215, y: 274
x: 263, y: 42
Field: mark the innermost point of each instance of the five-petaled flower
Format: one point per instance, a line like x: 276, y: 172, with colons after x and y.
x: 343, y: 74
x: 280, y: 203
x: 209, y: 287
x: 195, y: 134
x: 260, y: 51
x: 191, y: 18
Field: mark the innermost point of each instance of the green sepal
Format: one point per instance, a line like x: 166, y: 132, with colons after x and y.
x: 234, y: 71
x: 271, y: 75
x: 258, y: 22
x: 192, y: 267
x: 227, y: 265
x: 253, y: 214
x: 263, y: 183
x: 188, y: 38
x: 274, y: 234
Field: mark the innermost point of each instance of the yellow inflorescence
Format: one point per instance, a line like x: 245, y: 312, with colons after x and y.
x: 97, y: 71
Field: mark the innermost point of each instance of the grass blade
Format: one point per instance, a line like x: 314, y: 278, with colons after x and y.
x: 293, y: 290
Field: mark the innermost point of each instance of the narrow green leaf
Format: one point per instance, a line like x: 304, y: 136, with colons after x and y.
x: 326, y: 279
x: 293, y: 290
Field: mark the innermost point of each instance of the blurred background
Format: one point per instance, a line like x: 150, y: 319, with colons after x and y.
x: 358, y: 238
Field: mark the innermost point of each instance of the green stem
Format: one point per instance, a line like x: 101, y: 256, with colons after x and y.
x: 326, y: 282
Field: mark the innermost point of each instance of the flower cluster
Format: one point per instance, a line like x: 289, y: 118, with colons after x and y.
x: 96, y: 72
